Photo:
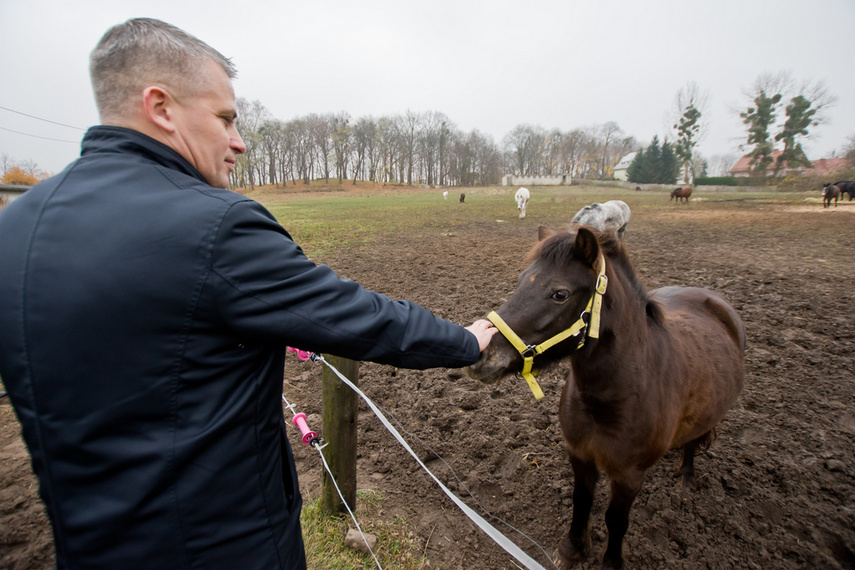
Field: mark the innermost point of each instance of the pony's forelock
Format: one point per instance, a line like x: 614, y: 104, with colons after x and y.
x: 559, y: 247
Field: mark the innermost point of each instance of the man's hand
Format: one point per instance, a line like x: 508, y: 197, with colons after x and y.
x: 483, y: 331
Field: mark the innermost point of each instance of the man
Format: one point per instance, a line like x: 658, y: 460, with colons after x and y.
x: 144, y: 314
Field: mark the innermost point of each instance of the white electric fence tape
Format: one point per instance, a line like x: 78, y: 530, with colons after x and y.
x: 315, y: 443
x: 489, y: 529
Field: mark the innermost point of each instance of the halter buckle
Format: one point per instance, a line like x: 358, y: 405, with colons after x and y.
x: 529, y: 352
x: 602, y: 283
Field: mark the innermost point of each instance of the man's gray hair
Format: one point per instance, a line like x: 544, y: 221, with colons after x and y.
x: 142, y: 52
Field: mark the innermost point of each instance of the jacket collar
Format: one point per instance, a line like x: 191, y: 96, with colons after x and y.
x: 111, y: 139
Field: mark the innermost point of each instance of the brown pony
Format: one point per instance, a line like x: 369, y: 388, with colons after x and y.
x: 680, y: 194
x: 830, y: 192
x: 659, y: 371
x: 846, y: 187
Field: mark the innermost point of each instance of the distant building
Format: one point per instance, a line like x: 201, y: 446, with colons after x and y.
x: 821, y: 167
x: 622, y: 166
x: 548, y: 180
x: 12, y: 191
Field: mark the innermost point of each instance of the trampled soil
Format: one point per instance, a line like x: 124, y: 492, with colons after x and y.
x: 777, y: 488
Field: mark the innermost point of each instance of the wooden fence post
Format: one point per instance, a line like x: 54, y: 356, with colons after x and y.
x: 339, y: 425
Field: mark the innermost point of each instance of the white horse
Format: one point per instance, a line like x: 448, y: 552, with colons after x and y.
x: 613, y: 216
x: 522, y: 197
x: 445, y: 195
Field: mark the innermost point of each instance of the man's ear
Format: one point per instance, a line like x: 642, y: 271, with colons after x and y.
x: 158, y: 107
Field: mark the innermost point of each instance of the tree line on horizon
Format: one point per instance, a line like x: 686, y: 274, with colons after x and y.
x: 429, y: 149
x: 413, y: 148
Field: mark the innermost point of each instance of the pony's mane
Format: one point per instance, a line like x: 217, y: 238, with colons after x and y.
x: 558, y: 248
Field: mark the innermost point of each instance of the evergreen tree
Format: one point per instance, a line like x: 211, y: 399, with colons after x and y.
x: 687, y: 137
x: 759, y: 118
x: 655, y: 164
x: 800, y: 116
x: 636, y: 171
x: 668, y: 165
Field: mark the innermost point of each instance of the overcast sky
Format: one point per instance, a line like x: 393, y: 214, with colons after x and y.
x: 487, y: 65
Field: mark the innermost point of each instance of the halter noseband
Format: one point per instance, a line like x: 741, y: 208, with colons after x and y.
x: 529, y: 351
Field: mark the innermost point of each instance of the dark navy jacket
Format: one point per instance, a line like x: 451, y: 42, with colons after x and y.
x: 143, y: 320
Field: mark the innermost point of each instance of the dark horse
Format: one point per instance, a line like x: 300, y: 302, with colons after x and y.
x: 657, y: 371
x: 846, y: 187
x: 680, y: 194
x: 830, y: 192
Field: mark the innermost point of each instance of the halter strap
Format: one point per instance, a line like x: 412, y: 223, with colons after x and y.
x: 529, y: 351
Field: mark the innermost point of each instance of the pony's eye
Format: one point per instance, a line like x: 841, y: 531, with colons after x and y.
x: 560, y: 296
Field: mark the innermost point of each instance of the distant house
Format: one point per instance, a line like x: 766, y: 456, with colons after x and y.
x: 12, y: 191
x: 619, y: 171
x: 547, y: 180
x: 821, y: 167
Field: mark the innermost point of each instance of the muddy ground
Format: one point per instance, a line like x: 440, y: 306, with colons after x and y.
x: 777, y: 488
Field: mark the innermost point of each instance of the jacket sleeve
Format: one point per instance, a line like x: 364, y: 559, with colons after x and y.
x: 268, y: 290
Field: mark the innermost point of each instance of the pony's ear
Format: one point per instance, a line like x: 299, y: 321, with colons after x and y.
x: 543, y: 233
x: 586, y: 248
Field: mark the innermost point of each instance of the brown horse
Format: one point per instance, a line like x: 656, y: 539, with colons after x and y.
x: 846, y: 187
x: 650, y: 371
x: 681, y: 193
x: 830, y: 192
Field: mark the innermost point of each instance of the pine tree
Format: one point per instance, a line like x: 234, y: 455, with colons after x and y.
x: 655, y: 164
x: 687, y: 137
x: 800, y: 116
x: 636, y: 171
x: 758, y: 119
x: 668, y: 165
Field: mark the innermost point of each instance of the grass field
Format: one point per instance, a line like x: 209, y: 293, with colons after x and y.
x: 327, y: 221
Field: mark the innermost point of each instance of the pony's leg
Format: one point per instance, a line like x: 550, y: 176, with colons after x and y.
x: 687, y: 468
x: 577, y: 545
x: 617, y: 517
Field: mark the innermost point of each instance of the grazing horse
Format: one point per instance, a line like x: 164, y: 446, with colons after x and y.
x: 846, y: 187
x: 462, y: 197
x: 649, y: 371
x: 830, y: 192
x: 681, y: 193
x: 445, y: 195
x: 522, y: 197
x: 612, y: 216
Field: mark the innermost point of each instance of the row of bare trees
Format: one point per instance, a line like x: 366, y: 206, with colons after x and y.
x: 413, y: 148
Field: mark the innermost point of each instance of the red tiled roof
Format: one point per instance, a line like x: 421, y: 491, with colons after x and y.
x: 821, y: 166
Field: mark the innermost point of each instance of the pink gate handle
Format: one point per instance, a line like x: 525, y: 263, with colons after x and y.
x: 300, y: 421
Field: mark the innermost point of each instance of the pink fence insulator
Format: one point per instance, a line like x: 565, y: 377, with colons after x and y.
x: 301, y: 354
x: 300, y: 421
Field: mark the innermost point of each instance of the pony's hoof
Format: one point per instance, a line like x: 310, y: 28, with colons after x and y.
x: 569, y: 554
x: 690, y: 482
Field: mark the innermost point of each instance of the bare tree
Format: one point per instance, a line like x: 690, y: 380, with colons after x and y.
x: 364, y: 144
x: 525, y: 144
x: 320, y: 127
x: 341, y: 142
x: 6, y: 162
x: 720, y: 164
x: 689, y: 124
x: 250, y: 164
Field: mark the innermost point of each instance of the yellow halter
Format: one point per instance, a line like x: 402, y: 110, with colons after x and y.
x: 529, y: 351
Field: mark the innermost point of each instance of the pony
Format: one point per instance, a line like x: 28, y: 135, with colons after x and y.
x: 612, y: 216
x: 830, y: 192
x: 445, y: 195
x: 681, y: 193
x: 462, y: 197
x: 846, y: 187
x: 649, y: 371
x: 522, y: 197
